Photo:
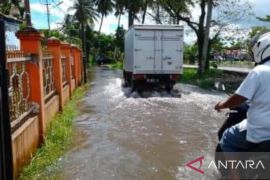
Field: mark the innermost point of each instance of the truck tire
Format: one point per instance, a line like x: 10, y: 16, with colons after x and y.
x: 169, y: 88
x: 133, y: 85
x: 125, y: 84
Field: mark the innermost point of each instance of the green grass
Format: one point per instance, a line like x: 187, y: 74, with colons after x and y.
x: 205, y: 81
x: 240, y: 64
x: 57, y: 141
x: 116, y: 65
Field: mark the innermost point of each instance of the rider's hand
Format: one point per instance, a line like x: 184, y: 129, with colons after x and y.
x: 219, y: 106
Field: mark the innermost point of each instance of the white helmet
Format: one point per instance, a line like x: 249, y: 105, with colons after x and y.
x: 260, y: 48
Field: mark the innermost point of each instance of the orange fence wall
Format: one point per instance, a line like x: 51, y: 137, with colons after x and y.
x: 30, y: 135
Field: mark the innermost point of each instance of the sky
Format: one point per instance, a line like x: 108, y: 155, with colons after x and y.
x: 39, y: 17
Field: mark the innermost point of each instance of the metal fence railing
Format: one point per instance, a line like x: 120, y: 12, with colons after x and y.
x: 64, y: 70
x: 72, y: 67
x: 48, y: 75
x: 19, y: 86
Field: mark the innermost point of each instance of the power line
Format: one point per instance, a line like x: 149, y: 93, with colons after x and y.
x: 47, y: 4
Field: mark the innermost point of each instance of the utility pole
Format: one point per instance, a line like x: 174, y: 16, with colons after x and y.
x: 48, y: 15
x: 27, y: 13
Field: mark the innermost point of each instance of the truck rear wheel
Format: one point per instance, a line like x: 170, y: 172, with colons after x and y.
x: 125, y: 84
x: 169, y: 88
x: 133, y: 85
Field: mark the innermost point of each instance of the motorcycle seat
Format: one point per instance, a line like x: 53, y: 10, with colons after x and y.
x: 262, y: 147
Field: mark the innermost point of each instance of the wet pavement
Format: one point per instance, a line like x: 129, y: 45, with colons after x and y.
x: 124, y: 136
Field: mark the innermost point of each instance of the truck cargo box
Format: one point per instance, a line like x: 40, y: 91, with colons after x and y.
x: 154, y: 51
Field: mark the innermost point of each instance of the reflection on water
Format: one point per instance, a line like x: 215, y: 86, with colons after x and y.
x: 126, y: 135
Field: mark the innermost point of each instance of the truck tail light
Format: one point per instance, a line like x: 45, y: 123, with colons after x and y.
x: 174, y: 77
x: 138, y: 76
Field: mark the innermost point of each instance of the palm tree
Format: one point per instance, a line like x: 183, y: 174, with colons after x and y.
x: 146, y: 4
x: 70, y: 28
x: 104, y: 7
x: 133, y: 8
x: 119, y: 10
x: 85, y: 14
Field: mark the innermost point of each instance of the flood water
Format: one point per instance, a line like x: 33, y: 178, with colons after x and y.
x: 124, y: 136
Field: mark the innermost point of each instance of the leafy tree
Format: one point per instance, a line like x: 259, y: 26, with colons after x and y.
x: 266, y: 18
x: 119, y: 38
x: 157, y: 13
x: 54, y: 33
x: 258, y: 29
x: 190, y: 53
x: 71, y: 29
x: 217, y: 44
x: 7, y: 5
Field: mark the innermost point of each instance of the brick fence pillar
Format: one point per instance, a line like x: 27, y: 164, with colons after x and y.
x: 79, y: 62
x: 54, y: 46
x: 75, y: 60
x: 66, y: 51
x: 30, y: 41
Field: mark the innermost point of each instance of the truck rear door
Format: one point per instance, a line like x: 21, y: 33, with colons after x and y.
x: 144, y: 57
x: 172, y: 59
x: 158, y: 50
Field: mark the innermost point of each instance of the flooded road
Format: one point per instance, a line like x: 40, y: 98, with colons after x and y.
x: 124, y: 136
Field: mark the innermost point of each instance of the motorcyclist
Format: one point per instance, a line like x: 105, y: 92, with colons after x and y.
x: 256, y: 90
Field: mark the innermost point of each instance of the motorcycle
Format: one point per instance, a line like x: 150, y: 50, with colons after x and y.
x: 260, y: 151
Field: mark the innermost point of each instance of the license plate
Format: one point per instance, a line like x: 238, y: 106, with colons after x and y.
x: 152, y: 80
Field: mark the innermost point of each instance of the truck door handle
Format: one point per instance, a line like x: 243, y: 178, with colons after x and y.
x: 167, y: 58
x: 179, y: 50
x: 149, y: 57
x: 137, y: 49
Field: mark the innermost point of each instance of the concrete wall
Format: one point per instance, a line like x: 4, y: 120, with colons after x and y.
x: 66, y: 95
x: 51, y: 108
x: 25, y: 141
x: 73, y: 85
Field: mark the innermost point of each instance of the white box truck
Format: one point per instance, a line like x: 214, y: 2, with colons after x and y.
x: 153, y: 55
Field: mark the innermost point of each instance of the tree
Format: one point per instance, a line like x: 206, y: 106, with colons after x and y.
x: 181, y: 11
x: 257, y: 29
x: 190, y: 53
x: 266, y: 18
x: 104, y: 7
x: 119, y: 38
x: 157, y: 13
x: 227, y: 12
x: 85, y: 14
x: 176, y: 9
x: 133, y: 8
x: 145, y: 5
x: 70, y: 28
x: 119, y: 10
x: 7, y: 5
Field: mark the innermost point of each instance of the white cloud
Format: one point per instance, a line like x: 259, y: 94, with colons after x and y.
x: 260, y: 8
